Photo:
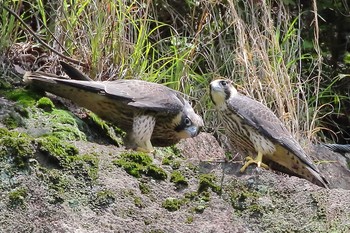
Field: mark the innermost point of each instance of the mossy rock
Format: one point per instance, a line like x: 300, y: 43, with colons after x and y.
x: 172, y: 161
x: 22, y: 96
x: 245, y: 198
x: 17, y: 197
x: 138, y: 163
x: 178, y: 179
x: 207, y: 181
x: 144, y: 188
x: 172, y: 204
x: 45, y: 104
x: 57, y: 148
x: 16, y: 146
x: 103, y: 198
x: 65, y: 125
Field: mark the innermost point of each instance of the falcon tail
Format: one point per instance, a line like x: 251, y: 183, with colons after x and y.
x: 287, y: 162
x: 84, y: 93
x: 74, y: 73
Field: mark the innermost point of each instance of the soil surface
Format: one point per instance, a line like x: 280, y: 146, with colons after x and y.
x: 82, y: 183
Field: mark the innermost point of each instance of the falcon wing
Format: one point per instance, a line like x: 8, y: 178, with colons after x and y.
x: 136, y: 93
x: 146, y: 95
x: 266, y: 122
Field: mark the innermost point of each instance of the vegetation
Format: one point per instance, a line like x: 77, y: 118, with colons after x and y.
x: 178, y: 179
x: 278, y: 52
x: 207, y: 181
x: 17, y: 197
x: 138, y: 163
x: 172, y: 204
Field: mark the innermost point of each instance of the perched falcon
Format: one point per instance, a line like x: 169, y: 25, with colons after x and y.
x: 255, y: 129
x: 149, y: 113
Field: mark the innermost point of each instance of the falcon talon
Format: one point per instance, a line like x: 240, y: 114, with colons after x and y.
x: 254, y: 128
x: 150, y: 114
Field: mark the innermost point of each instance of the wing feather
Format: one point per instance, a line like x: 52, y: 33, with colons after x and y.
x: 146, y: 95
x: 262, y: 119
x: 137, y: 93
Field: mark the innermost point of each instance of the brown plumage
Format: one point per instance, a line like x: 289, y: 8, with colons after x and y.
x: 151, y: 114
x: 255, y: 129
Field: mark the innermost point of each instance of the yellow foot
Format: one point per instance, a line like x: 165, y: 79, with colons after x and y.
x: 257, y: 161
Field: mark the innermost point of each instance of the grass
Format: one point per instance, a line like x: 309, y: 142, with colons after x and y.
x: 259, y: 46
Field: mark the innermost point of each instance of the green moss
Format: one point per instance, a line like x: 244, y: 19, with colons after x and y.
x: 45, y: 104
x: 14, y: 118
x: 156, y: 172
x: 207, y: 181
x: 4, y: 132
x: 189, y: 219
x: 138, y: 163
x: 10, y: 122
x: 57, y: 149
x: 171, y: 161
x: 104, y: 198
x: 57, y: 181
x: 244, y: 198
x: 138, y: 202
x: 176, y: 151
x: 17, y: 197
x: 200, y: 208
x: 110, y: 131
x: 172, y: 204
x: 131, y: 168
x: 83, y: 167
x: 17, y: 146
x: 137, y: 157
x: 228, y: 156
x: 191, y: 195
x: 178, y: 179
x: 205, y: 196
x: 58, y: 123
x: 169, y: 154
x: 22, y: 96
x: 67, y: 156
x: 167, y: 160
x: 59, y: 185
x: 144, y: 188
x: 200, y: 200
x: 64, y: 125
x: 192, y: 167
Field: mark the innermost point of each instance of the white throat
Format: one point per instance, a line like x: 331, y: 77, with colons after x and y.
x: 219, y: 97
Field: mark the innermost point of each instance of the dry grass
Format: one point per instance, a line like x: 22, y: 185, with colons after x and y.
x: 255, y: 43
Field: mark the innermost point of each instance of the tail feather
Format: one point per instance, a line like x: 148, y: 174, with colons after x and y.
x: 291, y: 164
x: 74, y: 73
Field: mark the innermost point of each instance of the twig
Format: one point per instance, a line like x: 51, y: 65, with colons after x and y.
x: 41, y: 41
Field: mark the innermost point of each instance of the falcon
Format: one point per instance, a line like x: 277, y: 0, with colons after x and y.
x: 256, y: 130
x: 150, y: 114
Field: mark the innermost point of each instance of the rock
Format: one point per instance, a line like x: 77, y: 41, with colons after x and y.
x: 86, y: 191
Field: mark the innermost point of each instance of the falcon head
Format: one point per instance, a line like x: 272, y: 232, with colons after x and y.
x: 221, y: 90
x: 188, y: 122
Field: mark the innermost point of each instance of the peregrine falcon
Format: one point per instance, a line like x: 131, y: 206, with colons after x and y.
x: 255, y: 129
x: 150, y: 114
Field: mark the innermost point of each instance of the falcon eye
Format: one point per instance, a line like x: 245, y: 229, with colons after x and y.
x: 223, y: 83
x: 188, y: 122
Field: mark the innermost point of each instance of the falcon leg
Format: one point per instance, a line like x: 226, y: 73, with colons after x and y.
x: 257, y: 161
x: 142, y: 130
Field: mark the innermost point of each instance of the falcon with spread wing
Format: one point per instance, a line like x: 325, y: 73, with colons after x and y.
x: 151, y: 114
x: 255, y: 129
